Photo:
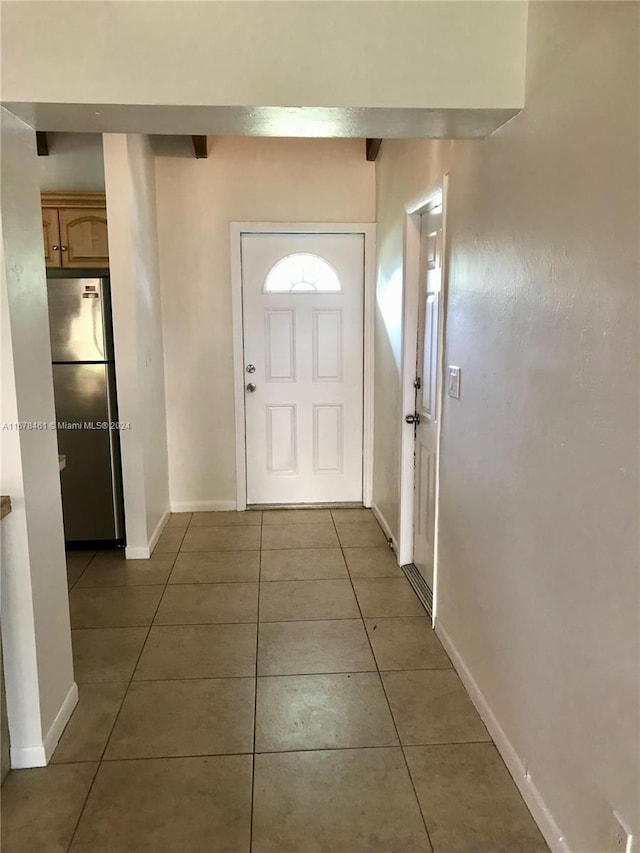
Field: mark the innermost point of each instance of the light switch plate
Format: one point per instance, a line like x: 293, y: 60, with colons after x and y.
x: 453, y: 388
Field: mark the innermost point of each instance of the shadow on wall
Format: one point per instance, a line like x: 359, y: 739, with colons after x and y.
x: 174, y: 146
x: 389, y: 302
x: 75, y: 162
x: 388, y: 400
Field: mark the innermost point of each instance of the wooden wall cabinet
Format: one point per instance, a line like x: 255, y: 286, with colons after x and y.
x: 74, y: 227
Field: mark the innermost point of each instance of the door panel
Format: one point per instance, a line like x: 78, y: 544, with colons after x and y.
x: 327, y: 345
x: 281, y: 439
x: 280, y: 345
x: 427, y: 392
x: 328, y: 430
x: 304, y: 337
x: 83, y: 232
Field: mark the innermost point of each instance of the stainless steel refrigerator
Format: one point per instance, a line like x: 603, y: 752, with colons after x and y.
x: 86, y: 407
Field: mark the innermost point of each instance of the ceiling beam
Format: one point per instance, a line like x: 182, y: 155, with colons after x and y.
x: 200, y: 147
x: 42, y: 143
x: 372, y: 148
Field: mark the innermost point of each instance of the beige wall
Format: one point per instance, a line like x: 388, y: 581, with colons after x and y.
x: 538, y: 579
x: 137, y: 332
x: 252, y: 180
x: 362, y: 54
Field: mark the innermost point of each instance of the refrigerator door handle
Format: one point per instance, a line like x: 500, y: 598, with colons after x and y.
x: 114, y: 450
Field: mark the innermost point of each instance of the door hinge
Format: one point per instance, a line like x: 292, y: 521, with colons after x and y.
x: 417, y: 383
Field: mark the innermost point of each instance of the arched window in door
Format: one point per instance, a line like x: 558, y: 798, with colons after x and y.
x: 302, y: 273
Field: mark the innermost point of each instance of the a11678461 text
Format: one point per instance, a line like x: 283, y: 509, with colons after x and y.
x: 65, y: 425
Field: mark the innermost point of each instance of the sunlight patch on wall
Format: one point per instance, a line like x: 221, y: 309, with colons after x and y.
x: 389, y: 300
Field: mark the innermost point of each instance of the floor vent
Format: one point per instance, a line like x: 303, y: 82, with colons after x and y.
x: 420, y: 587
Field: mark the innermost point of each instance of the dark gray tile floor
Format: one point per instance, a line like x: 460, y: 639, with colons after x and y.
x: 267, y: 682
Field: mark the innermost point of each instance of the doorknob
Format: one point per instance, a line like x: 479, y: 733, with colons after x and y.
x: 412, y: 419
x: 251, y: 387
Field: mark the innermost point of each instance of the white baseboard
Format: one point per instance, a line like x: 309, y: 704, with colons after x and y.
x: 62, y: 718
x: 530, y: 794
x: 143, y: 552
x: 157, y: 532
x: 203, y: 506
x: 137, y: 552
x: 382, y: 521
x: 23, y: 757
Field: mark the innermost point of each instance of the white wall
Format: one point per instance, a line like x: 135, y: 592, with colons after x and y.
x: 364, y: 54
x: 74, y: 162
x: 137, y: 330
x: 258, y: 180
x: 538, y: 578
x: 36, y: 636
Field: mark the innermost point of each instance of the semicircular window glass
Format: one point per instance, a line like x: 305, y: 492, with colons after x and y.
x: 302, y: 273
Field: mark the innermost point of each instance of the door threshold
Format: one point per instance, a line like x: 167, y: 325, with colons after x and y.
x: 330, y: 505
x: 420, y: 587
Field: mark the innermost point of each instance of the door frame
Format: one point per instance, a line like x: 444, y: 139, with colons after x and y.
x: 368, y: 231
x: 411, y: 284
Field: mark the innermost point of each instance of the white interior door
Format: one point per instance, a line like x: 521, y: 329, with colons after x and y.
x: 427, y: 393
x: 303, y: 301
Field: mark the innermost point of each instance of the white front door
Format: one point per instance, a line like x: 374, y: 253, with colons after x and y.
x: 302, y: 300
x: 427, y: 393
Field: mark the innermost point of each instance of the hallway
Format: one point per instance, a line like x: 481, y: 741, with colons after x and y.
x: 363, y: 739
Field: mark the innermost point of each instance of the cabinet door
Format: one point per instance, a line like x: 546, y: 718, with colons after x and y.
x: 51, y: 235
x: 83, y: 236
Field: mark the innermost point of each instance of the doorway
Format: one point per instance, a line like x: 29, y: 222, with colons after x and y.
x: 425, y: 417
x: 302, y: 319
x: 424, y: 314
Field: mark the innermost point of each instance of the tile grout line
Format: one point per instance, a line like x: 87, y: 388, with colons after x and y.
x: 277, y: 751
x: 255, y: 694
x: 384, y: 691
x: 380, y: 672
x: 264, y: 622
x: 91, y: 559
x: 234, y: 583
x: 402, y: 749
x: 268, y: 675
x: 84, y: 803
x: 117, y: 717
x: 98, y: 763
x: 173, y: 584
x: 165, y: 586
